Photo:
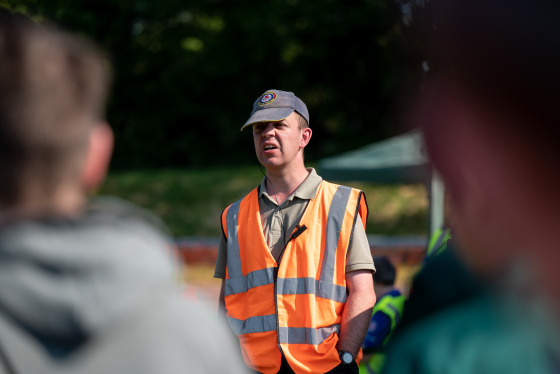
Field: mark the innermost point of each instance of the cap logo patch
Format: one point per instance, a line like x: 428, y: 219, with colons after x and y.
x: 267, y: 98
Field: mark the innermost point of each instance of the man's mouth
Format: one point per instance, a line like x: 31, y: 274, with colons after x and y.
x: 268, y: 147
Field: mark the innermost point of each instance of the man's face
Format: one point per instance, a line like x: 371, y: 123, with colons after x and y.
x: 280, y: 144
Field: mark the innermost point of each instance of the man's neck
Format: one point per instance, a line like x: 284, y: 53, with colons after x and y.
x: 65, y: 202
x: 282, y: 183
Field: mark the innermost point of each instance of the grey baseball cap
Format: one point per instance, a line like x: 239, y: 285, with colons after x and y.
x: 276, y: 105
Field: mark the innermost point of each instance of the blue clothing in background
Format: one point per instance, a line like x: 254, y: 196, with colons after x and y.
x: 379, y: 327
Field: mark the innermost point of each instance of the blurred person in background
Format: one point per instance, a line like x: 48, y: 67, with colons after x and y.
x: 385, y: 316
x: 295, y: 260
x: 488, y: 112
x: 85, y: 287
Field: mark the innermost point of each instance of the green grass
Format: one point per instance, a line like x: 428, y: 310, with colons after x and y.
x: 395, y: 209
x: 190, y: 201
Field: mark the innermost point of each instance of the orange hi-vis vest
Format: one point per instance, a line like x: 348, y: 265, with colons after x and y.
x: 294, y: 306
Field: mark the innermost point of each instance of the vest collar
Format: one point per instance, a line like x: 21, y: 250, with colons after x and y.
x: 307, y: 190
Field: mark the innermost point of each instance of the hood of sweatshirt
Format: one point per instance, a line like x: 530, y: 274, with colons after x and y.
x: 62, y: 280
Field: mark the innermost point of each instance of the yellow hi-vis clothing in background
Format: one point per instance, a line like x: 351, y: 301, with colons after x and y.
x: 392, y: 305
x: 294, y: 306
x: 438, y: 242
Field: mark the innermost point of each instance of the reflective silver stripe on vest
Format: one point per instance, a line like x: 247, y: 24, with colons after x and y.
x: 397, y: 315
x: 233, y: 255
x: 243, y: 284
x: 306, y: 335
x: 253, y: 324
x: 334, y: 226
x: 236, y: 282
x: 301, y: 286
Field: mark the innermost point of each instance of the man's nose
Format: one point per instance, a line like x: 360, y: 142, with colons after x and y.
x: 268, y: 130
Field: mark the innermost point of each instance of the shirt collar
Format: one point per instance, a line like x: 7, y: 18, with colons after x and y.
x: 306, y: 190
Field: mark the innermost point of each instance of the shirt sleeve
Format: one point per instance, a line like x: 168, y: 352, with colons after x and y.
x: 379, y: 328
x: 220, y: 269
x: 359, y: 252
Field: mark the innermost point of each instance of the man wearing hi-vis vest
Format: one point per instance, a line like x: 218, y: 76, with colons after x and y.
x: 295, y: 261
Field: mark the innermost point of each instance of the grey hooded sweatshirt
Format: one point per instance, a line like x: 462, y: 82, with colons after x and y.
x: 98, y: 294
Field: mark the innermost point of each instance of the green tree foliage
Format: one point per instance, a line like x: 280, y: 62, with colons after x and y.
x: 187, y: 72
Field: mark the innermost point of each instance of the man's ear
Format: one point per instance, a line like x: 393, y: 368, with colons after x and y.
x: 305, y: 137
x: 98, y: 155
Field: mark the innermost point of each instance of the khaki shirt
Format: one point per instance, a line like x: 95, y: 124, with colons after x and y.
x: 279, y: 221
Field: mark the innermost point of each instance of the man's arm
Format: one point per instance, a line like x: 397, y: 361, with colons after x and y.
x: 357, y: 312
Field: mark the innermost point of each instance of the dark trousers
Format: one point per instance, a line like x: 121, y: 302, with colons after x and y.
x: 345, y: 369
x: 340, y: 369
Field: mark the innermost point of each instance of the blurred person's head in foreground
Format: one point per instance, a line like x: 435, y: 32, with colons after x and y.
x: 70, y: 267
x: 488, y: 109
x: 54, y: 144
